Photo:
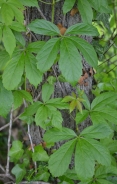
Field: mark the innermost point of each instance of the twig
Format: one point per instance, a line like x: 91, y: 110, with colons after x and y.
x: 36, y: 99
x: 2, y: 168
x: 32, y: 146
x: 8, y: 176
x: 30, y: 138
x: 41, y: 13
x: 9, y: 140
x: 5, y: 126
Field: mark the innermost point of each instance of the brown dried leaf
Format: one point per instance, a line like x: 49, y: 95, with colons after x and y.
x: 73, y: 11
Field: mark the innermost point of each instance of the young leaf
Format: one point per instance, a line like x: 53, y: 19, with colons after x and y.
x: 16, y: 150
x: 6, y: 100
x: 33, y: 3
x: 87, y: 50
x: 100, y: 6
x: 44, y: 27
x: 82, y: 29
x: 68, y: 4
x: 13, y: 72
x: 47, y: 55
x: 47, y: 91
x: 86, y: 11
x: 60, y: 160
x: 56, y: 120
x: 73, y: 105
x: 7, y: 14
x: 39, y: 154
x: 32, y: 73
x: 4, y: 58
x: 68, y: 98
x: 55, y: 135
x: 19, y: 95
x: 70, y: 61
x: 104, y: 99
x: 19, y: 172
x: 81, y: 117
x: 8, y: 38
x: 98, y: 131
x: 35, y: 46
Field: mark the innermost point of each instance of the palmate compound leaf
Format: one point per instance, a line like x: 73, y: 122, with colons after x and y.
x: 47, y: 55
x: 70, y: 61
x: 35, y: 47
x: 104, y: 99
x: 44, y: 27
x: 55, y: 135
x: 39, y: 154
x: 56, y: 120
x: 32, y: 73
x: 86, y: 49
x: 68, y: 4
x: 60, y: 160
x: 7, y: 14
x: 87, y: 151
x: 33, y: 3
x: 85, y: 10
x: 13, y: 72
x: 98, y: 131
x: 57, y: 102
x: 82, y: 29
x: 8, y: 38
x: 6, y: 100
x: 81, y: 117
x: 16, y: 150
x: 4, y: 58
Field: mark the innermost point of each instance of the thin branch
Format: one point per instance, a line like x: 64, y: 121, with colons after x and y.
x: 41, y: 13
x: 2, y: 168
x: 36, y: 99
x: 7, y: 176
x: 5, y: 126
x: 9, y: 140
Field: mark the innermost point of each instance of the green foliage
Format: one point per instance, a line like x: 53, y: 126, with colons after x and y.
x: 25, y: 64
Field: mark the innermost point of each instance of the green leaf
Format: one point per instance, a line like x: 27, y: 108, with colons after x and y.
x: 56, y: 120
x: 103, y: 181
x: 44, y: 27
x: 39, y: 154
x: 99, y: 115
x: 100, y: 6
x: 16, y: 3
x: 68, y: 98
x: 70, y: 61
x: 57, y: 102
x: 7, y: 13
x: 6, y: 100
x: 87, y: 151
x: 98, y: 131
x: 33, y: 3
x: 47, y: 55
x: 19, y: 37
x: 71, y: 173
x: 8, y: 38
x: 35, y: 47
x: 19, y: 172
x: 19, y: 95
x: 16, y: 150
x: 68, y: 4
x: 87, y: 50
x: 84, y: 163
x: 60, y: 160
x: 85, y: 10
x: 17, y: 12
x: 104, y: 99
x: 16, y: 26
x: 32, y: 73
x: 13, y: 72
x: 55, y: 135
x: 86, y: 102
x: 4, y: 58
x: 73, y: 105
x: 101, y: 171
x: 47, y: 91
x: 82, y: 29
x: 81, y: 117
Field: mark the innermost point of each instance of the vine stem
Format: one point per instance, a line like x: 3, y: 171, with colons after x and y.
x: 9, y: 140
